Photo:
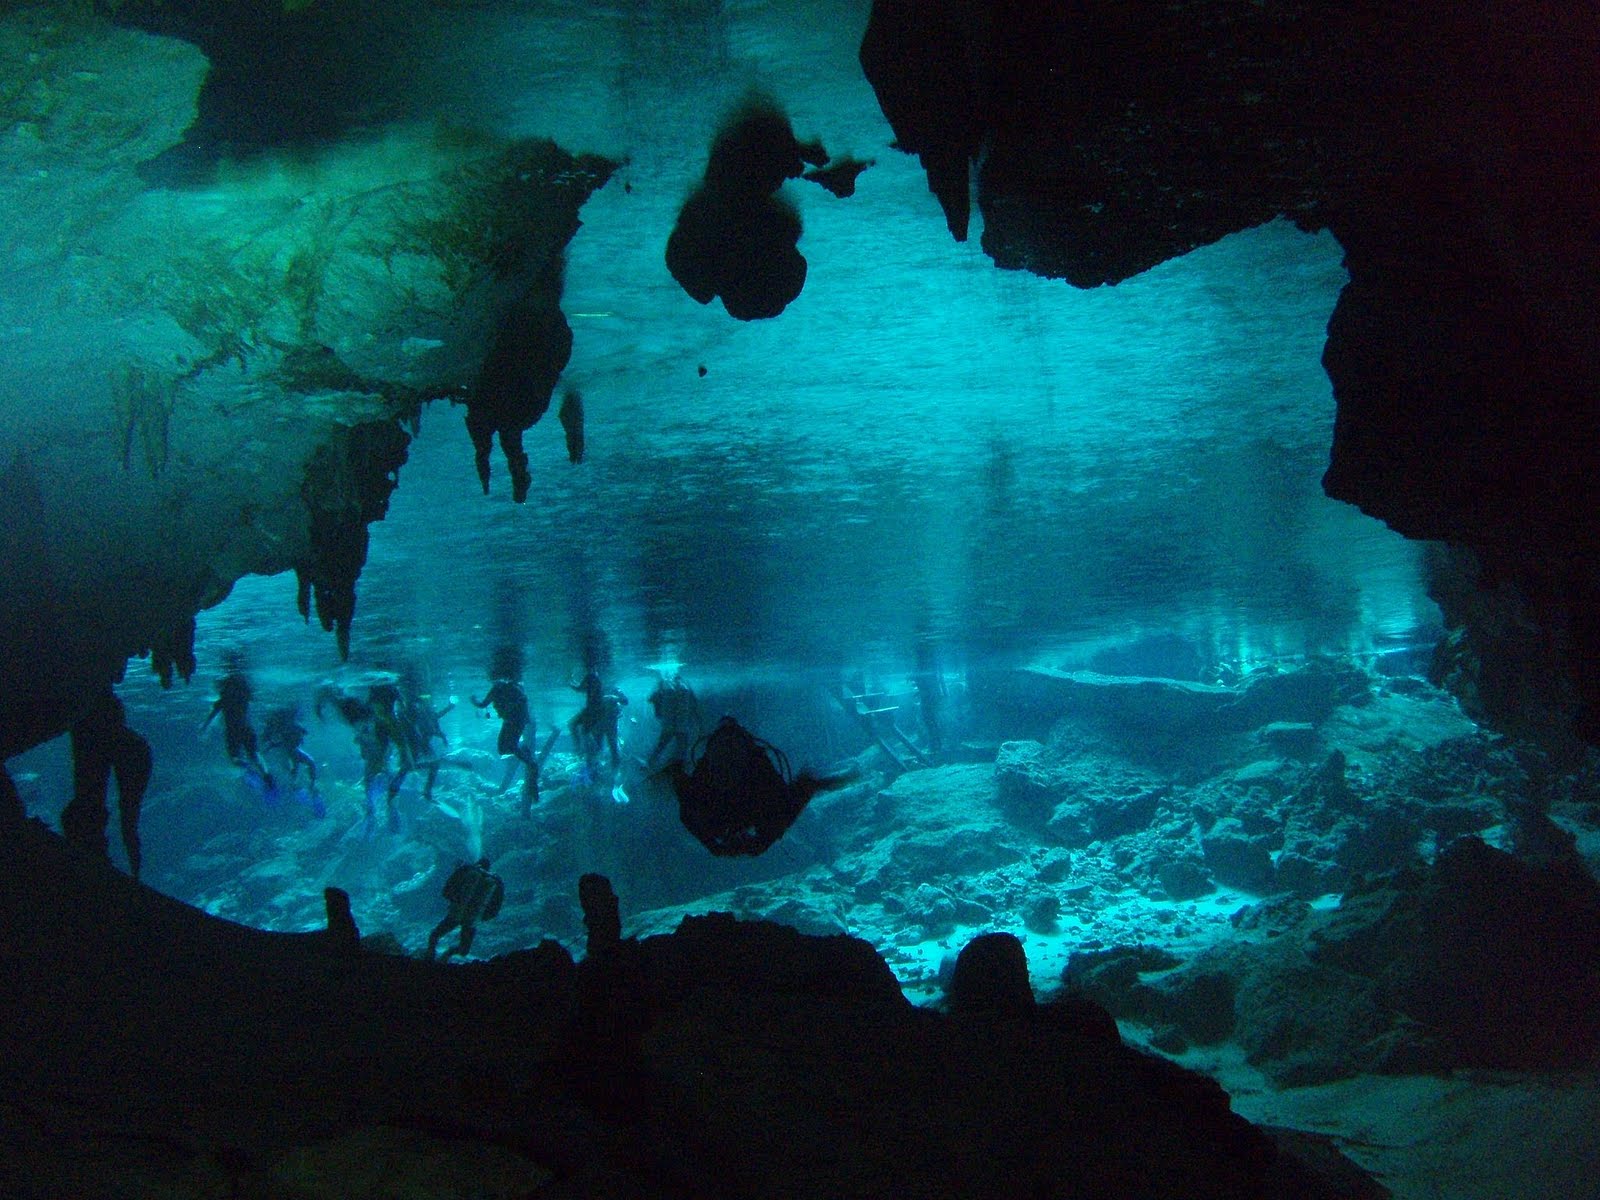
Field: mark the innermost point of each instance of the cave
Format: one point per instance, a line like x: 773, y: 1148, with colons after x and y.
x: 1136, y: 461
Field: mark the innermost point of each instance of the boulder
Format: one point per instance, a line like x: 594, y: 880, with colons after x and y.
x: 1237, y: 859
x: 1028, y: 788
x: 1184, y: 879
x: 991, y: 976
x: 1499, y: 955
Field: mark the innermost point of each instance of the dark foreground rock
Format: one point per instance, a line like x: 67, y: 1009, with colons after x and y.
x: 1482, y: 960
x: 1448, y: 147
x: 154, y: 1050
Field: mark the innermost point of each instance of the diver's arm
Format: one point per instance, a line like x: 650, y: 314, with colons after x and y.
x: 215, y: 709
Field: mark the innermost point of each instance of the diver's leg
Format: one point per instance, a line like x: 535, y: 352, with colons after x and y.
x: 530, y: 785
x: 439, y: 930
x: 133, y: 766
x: 509, y: 745
x: 464, y: 942
x: 392, y: 796
x: 511, y: 773
x: 242, y: 750
x: 665, y: 739
x: 84, y: 819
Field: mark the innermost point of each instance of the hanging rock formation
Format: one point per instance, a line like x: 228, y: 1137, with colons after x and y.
x: 735, y: 236
x: 1449, y: 148
x: 198, y: 384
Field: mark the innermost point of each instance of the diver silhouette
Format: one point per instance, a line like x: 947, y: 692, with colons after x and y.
x: 595, y: 724
x: 103, y: 746
x: 375, y: 732
x: 739, y: 798
x: 283, y: 737
x: 419, y: 728
x: 677, y: 711
x: 510, y: 704
x: 474, y: 894
x: 233, y: 702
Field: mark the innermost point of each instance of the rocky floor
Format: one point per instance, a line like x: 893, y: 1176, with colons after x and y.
x: 1180, y: 852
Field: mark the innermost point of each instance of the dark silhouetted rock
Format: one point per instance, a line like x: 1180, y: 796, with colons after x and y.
x: 531, y: 347
x: 726, y: 1059
x: 1499, y: 955
x: 602, y: 913
x: 571, y: 417
x: 343, y: 934
x: 347, y: 486
x: 1076, y: 1013
x: 735, y: 237
x: 839, y: 177
x: 1185, y: 879
x: 991, y: 976
x: 1108, y: 137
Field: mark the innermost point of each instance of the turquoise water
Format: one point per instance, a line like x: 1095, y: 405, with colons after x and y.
x: 1012, y: 467
x: 920, y: 447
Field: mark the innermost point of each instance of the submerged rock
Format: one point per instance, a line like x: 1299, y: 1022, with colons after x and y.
x: 1481, y: 960
x: 726, y: 1059
x: 991, y: 976
x: 735, y: 237
x: 200, y: 356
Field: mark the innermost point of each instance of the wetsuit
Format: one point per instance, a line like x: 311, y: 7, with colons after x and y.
x: 474, y: 894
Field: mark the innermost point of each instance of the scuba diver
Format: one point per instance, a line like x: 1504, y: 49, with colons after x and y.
x: 677, y: 711
x: 510, y: 704
x: 282, y: 741
x: 474, y: 894
x: 283, y: 736
x: 233, y: 702
x: 374, y: 736
x: 103, y: 745
x: 418, y: 726
x: 738, y: 798
x: 595, y: 724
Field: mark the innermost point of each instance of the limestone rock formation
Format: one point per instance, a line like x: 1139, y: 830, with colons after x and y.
x: 726, y: 1059
x: 244, y: 358
x: 1481, y: 960
x: 735, y: 236
x: 1448, y: 148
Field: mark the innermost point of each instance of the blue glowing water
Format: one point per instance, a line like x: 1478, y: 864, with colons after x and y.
x: 1011, y: 466
x: 921, y: 446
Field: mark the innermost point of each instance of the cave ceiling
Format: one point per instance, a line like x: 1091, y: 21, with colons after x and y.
x: 249, y: 245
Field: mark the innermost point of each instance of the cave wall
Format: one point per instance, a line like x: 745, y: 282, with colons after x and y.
x: 182, y: 367
x: 1452, y: 151
x: 205, y: 379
